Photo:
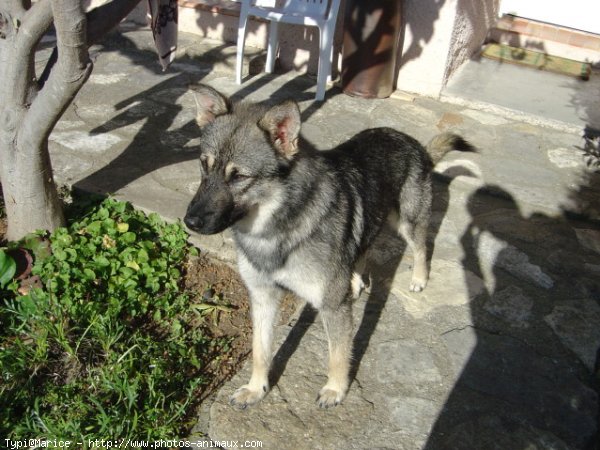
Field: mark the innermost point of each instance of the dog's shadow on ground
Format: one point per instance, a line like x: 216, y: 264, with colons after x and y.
x: 290, y: 345
x: 381, y: 274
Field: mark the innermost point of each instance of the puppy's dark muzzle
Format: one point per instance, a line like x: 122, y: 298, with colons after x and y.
x: 193, y: 223
x: 210, y: 212
x: 211, y: 209
x: 206, y: 222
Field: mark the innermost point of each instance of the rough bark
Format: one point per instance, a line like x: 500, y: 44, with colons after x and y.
x: 29, y: 110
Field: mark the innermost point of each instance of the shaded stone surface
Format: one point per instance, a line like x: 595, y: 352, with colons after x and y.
x: 511, y: 305
x: 490, y: 432
x: 539, y: 391
x: 575, y: 322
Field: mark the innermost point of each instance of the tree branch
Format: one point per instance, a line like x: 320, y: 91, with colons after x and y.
x: 31, y: 28
x: 70, y: 73
x: 71, y: 35
x: 34, y: 25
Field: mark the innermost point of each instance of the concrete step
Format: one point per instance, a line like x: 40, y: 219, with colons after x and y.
x: 547, y: 38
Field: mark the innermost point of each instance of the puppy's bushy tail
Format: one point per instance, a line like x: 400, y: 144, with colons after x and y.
x: 445, y: 142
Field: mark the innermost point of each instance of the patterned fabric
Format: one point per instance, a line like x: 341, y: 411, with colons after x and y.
x: 163, y: 21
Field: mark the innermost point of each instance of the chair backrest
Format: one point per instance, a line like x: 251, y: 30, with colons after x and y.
x: 264, y: 3
x: 312, y: 8
x: 315, y: 8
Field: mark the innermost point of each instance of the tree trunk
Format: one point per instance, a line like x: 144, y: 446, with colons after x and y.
x: 29, y: 192
x: 28, y: 114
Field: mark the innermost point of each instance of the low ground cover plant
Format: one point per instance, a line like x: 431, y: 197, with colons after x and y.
x: 100, y: 340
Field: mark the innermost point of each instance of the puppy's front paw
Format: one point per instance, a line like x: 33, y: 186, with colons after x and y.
x: 244, y: 397
x: 417, y: 284
x: 329, y: 398
x: 416, y: 287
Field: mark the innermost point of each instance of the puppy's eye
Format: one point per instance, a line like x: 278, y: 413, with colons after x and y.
x: 236, y: 177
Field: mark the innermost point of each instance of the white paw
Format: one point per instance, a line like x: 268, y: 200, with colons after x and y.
x: 329, y: 398
x: 244, y: 397
x: 417, y: 285
x: 357, y: 285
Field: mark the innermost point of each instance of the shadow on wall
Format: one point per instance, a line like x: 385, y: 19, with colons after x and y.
x: 477, y: 17
x: 418, y: 18
x: 501, y: 35
x: 299, y: 45
x: 454, y: 31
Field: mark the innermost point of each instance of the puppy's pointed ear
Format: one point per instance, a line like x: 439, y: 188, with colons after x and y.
x: 282, y: 122
x: 209, y: 103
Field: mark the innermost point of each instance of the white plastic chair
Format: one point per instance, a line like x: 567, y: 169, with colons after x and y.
x: 314, y: 13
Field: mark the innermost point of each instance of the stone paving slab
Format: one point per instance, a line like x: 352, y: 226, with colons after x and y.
x: 499, y: 352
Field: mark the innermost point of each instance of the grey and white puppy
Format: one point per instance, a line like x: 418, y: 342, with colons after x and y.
x: 303, y: 219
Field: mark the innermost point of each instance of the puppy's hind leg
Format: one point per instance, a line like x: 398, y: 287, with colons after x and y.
x: 412, y: 221
x: 338, y: 326
x: 414, y: 211
x: 415, y: 234
x: 264, y: 305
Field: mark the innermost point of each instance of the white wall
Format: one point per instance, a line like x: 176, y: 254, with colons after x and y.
x: 439, y: 36
x: 579, y: 14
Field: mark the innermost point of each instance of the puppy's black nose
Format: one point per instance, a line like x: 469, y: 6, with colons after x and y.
x: 192, y: 222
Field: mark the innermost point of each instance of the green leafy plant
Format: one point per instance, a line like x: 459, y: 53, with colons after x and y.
x: 108, y: 345
x: 8, y: 267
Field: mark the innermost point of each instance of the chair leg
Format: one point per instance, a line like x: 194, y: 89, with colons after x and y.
x: 241, y: 40
x: 325, y: 55
x: 272, y: 46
